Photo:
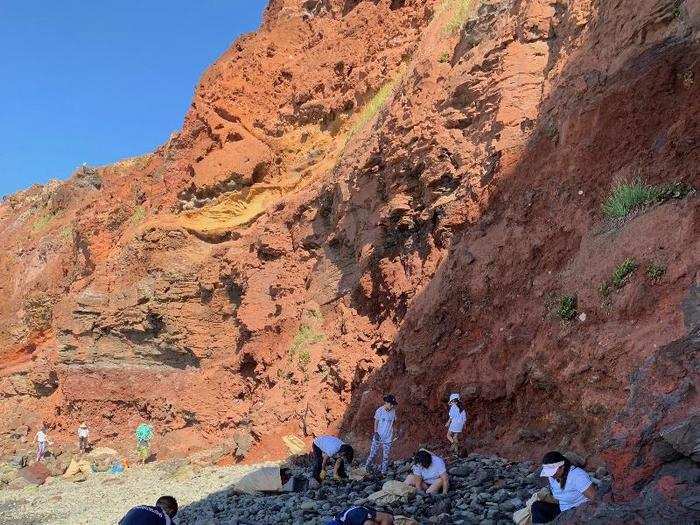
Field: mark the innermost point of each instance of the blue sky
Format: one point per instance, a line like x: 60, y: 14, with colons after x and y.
x: 95, y: 82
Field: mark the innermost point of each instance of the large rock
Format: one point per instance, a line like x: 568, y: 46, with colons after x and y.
x: 35, y: 474
x: 102, y: 458
x: 684, y: 437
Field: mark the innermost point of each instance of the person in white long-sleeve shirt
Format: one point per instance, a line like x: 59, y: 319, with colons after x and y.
x: 383, y: 435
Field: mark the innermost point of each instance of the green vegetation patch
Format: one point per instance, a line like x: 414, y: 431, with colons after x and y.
x: 621, y: 274
x: 566, y: 310
x: 459, y: 13
x: 628, y: 197
x: 655, y: 271
x: 305, y: 337
x: 444, y: 57
x: 139, y: 215
x: 42, y: 222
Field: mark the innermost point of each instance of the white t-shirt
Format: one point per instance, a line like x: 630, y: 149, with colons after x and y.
x: 329, y: 445
x: 41, y: 437
x: 431, y: 474
x: 457, y: 419
x: 572, y: 496
x: 83, y: 432
x: 385, y: 421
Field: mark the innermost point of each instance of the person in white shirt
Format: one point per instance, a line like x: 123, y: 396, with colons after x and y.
x: 327, y: 448
x: 429, y: 473
x: 455, y: 424
x: 83, y: 434
x: 384, y: 418
x: 42, y: 440
x: 571, y: 486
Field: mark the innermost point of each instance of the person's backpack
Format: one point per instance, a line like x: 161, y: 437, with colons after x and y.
x: 334, y: 522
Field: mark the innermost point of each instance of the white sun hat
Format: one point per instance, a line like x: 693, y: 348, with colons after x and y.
x: 549, y: 469
x: 454, y: 397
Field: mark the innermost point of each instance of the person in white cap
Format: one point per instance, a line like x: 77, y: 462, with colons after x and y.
x: 571, y: 486
x: 83, y: 434
x: 455, y: 423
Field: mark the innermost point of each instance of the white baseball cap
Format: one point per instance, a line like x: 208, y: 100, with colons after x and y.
x: 549, y: 469
x: 453, y: 397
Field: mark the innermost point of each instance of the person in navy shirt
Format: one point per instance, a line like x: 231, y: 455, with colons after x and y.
x: 162, y: 514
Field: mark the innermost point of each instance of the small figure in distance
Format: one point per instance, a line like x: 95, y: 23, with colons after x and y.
x: 429, y: 473
x: 571, y: 486
x: 362, y: 516
x: 456, y: 421
x: 384, y: 418
x: 42, y: 441
x: 327, y: 448
x: 83, y: 434
x: 162, y: 514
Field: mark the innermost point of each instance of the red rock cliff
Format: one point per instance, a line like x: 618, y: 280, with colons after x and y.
x: 380, y: 195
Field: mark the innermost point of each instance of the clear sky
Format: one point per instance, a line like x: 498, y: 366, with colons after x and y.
x: 97, y: 81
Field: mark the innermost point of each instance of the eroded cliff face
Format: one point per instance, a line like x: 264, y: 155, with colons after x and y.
x: 380, y: 195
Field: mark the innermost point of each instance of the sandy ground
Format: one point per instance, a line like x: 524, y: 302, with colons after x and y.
x: 104, y: 498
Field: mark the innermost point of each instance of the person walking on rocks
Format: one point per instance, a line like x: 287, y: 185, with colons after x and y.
x: 571, y: 486
x: 362, y: 516
x: 42, y: 441
x: 162, y: 514
x: 83, y: 434
x: 327, y: 448
x: 384, y: 419
x: 144, y: 434
x: 429, y: 473
x: 456, y: 421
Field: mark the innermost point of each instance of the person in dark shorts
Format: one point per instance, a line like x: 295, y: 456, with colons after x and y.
x: 162, y: 514
x: 362, y: 516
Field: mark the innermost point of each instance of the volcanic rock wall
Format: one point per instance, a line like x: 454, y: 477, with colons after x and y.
x: 379, y: 195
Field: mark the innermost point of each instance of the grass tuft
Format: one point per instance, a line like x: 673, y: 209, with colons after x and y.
x: 444, y: 57
x: 567, y: 307
x: 305, y: 337
x: 139, y: 215
x: 622, y: 272
x: 627, y: 197
x: 655, y: 271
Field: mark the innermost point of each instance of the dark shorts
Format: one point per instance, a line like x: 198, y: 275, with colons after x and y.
x: 356, y: 515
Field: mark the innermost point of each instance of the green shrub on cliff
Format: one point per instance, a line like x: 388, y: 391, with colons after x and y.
x: 627, y: 197
x: 567, y: 307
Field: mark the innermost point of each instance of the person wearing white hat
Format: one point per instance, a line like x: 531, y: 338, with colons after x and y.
x: 83, y: 434
x: 571, y: 486
x: 457, y: 417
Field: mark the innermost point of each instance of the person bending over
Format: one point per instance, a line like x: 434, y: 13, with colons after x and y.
x: 429, y: 473
x: 571, y: 486
x: 331, y: 448
x: 362, y: 516
x: 162, y: 514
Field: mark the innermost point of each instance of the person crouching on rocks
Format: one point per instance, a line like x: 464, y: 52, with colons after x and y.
x: 83, y: 434
x: 429, y: 473
x: 362, y: 516
x: 327, y: 448
x: 571, y: 486
x: 456, y: 421
x: 162, y: 514
x: 384, y: 418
